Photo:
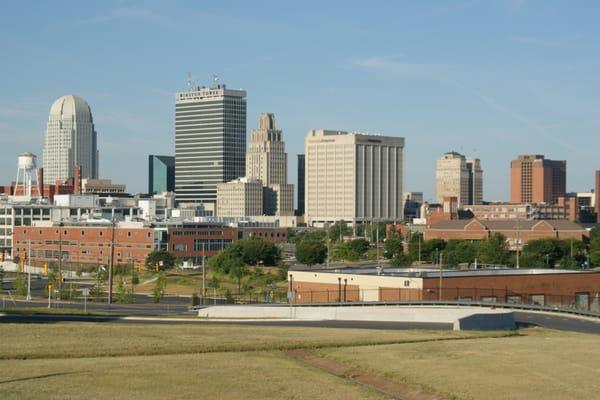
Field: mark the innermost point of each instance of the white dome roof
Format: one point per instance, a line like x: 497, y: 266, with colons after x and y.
x: 71, y: 106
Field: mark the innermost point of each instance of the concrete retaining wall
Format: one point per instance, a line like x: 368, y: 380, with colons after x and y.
x: 460, y: 317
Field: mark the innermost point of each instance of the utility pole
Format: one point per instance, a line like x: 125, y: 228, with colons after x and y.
x: 377, y: 246
x: 203, y: 272
x: 29, y: 269
x: 60, y: 256
x: 111, y: 263
x: 441, y: 276
x: 327, y: 238
x: 518, y: 239
x: 420, y: 237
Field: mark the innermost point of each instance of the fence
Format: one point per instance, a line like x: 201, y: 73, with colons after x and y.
x: 581, y: 301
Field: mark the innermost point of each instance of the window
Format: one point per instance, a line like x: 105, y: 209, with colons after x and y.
x: 406, y: 283
x: 129, y: 234
x: 82, y: 233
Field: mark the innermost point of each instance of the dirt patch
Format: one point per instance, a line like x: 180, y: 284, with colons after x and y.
x: 394, y: 389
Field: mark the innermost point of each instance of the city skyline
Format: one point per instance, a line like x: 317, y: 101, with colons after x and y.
x: 526, y: 84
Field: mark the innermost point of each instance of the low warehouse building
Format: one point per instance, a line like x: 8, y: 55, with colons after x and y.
x: 579, y: 289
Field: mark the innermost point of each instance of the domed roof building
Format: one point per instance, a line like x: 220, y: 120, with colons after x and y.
x: 70, y: 140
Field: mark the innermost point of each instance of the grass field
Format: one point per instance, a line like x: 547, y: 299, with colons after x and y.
x: 189, y: 361
x: 541, y: 364
x: 109, y: 360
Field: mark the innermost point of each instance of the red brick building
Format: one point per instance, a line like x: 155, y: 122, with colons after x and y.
x: 197, y: 241
x: 474, y: 229
x: 83, y: 245
x: 274, y: 235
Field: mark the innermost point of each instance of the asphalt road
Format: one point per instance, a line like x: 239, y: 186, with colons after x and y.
x: 546, y: 320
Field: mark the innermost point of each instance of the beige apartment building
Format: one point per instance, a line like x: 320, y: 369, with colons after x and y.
x: 460, y: 177
x: 240, y: 198
x: 353, y: 177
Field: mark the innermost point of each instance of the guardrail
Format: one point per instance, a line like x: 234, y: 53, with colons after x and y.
x: 512, y: 306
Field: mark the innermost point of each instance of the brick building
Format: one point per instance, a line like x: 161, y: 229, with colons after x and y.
x: 597, y: 196
x: 514, y: 231
x: 202, y: 240
x: 534, y: 179
x: 84, y: 244
x: 534, y: 286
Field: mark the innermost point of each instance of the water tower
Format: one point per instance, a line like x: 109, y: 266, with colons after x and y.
x: 26, y: 175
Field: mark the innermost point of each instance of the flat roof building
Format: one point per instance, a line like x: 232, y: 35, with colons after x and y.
x: 530, y: 286
x: 353, y: 177
x: 210, y: 141
x: 535, y: 179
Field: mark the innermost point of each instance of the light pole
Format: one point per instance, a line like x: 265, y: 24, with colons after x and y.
x: 111, y: 263
x: 441, y: 275
x: 29, y: 269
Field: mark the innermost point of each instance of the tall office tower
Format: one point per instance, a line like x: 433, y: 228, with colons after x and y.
x: 452, y: 178
x: 474, y: 181
x: 210, y: 141
x: 300, y: 210
x: 534, y: 179
x: 161, y: 174
x: 266, y: 158
x: 354, y: 177
x: 597, y: 194
x: 70, y: 141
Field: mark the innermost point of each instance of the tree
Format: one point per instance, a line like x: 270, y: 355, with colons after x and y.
x: 372, y: 229
x: 228, y: 263
x: 159, y: 288
x: 161, y: 260
x: 20, y: 284
x: 310, y: 251
x: 344, y: 251
x: 401, y: 260
x: 494, y: 250
x: 594, y: 247
x: 124, y: 294
x: 393, y: 246
x: 338, y: 230
x: 359, y: 246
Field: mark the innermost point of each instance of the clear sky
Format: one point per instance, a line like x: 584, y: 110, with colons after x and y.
x: 489, y: 78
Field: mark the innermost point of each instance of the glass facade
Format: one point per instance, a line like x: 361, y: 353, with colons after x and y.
x: 161, y: 174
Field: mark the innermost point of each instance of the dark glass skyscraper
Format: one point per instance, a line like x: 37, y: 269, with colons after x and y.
x: 161, y: 174
x: 210, y: 141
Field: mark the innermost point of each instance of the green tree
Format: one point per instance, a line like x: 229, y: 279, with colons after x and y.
x: 338, y: 230
x: 393, y: 246
x: 310, y: 251
x: 124, y: 294
x: 550, y: 252
x: 20, y: 284
x: 159, y: 287
x: 231, y: 264
x: 401, y: 260
x: 371, y: 231
x: 344, y: 251
x: 594, y: 247
x: 494, y: 250
x: 359, y: 246
x: 161, y: 260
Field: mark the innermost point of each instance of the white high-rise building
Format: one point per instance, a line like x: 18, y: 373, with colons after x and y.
x: 210, y: 141
x: 240, y: 198
x: 353, y: 177
x: 70, y: 141
x: 460, y: 177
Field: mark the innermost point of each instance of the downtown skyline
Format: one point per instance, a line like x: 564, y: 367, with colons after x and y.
x: 524, y: 84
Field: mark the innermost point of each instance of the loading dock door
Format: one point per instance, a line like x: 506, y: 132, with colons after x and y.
x: 369, y: 293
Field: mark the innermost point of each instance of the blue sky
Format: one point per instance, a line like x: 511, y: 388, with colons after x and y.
x: 489, y: 78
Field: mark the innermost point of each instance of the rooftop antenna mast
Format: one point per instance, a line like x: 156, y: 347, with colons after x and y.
x: 190, y: 81
x: 216, y: 80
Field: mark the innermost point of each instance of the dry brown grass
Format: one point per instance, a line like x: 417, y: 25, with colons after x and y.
x: 541, y: 365
x: 60, y: 340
